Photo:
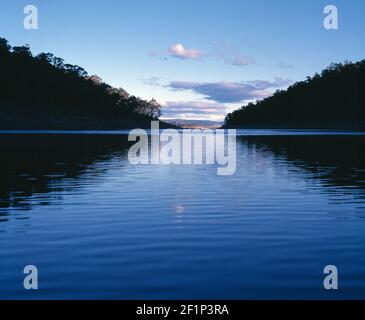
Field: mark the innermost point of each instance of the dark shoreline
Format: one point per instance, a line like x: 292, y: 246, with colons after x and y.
x: 39, y: 121
x: 320, y: 127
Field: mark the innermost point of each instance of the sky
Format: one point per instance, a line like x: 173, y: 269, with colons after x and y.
x: 200, y: 59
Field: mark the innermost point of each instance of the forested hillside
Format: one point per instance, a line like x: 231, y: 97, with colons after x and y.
x: 334, y: 99
x: 44, y: 92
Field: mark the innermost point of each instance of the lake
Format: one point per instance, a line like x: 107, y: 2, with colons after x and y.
x: 98, y: 227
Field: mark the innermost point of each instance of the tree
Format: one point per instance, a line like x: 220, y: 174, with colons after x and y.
x: 58, y: 62
x: 4, y: 46
x: 335, y: 97
x: 154, y: 109
x: 45, y: 57
x: 22, y: 51
x: 46, y: 85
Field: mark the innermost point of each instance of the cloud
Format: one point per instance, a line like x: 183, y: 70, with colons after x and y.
x: 230, y: 92
x: 232, y: 55
x: 284, y: 65
x: 158, y: 54
x: 179, y: 51
x: 193, y: 110
x: 153, y: 53
x: 152, y: 81
x: 239, y: 60
x: 229, y: 53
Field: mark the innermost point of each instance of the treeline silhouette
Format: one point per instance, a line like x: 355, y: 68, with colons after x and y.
x: 44, y: 92
x: 334, y: 99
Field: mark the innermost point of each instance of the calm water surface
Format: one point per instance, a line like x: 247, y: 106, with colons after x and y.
x: 98, y: 227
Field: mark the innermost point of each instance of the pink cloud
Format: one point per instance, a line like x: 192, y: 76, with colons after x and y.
x: 179, y: 51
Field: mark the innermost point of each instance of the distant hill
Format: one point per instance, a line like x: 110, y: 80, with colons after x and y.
x: 192, y: 124
x: 334, y: 99
x: 43, y: 92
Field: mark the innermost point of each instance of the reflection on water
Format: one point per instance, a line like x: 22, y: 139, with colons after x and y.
x: 98, y: 227
x: 45, y: 165
x: 335, y: 161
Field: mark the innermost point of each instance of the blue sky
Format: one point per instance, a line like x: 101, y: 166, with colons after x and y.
x: 198, y: 58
